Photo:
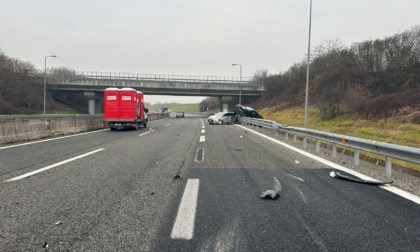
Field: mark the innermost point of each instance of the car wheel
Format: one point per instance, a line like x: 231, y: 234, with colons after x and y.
x: 220, y: 122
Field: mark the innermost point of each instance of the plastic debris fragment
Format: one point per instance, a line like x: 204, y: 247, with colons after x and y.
x: 269, y: 194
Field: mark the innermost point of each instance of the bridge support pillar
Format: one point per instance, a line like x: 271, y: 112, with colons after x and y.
x: 95, y: 102
x: 224, y: 101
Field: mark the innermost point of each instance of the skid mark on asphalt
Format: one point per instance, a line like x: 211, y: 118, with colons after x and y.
x: 302, y: 196
x: 227, y: 238
x: 277, y: 185
x: 296, y: 177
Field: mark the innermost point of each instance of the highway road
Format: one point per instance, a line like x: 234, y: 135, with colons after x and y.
x: 119, y: 191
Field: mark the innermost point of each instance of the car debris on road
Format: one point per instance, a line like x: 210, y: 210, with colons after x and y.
x: 336, y: 174
x: 269, y: 194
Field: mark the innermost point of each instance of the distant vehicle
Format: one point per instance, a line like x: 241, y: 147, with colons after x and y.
x: 222, y: 118
x: 179, y: 114
x: 124, y: 108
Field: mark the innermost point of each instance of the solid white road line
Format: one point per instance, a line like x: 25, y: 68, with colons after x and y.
x: 202, y: 139
x: 51, y: 139
x: 185, y: 218
x: 52, y: 166
x: 390, y: 188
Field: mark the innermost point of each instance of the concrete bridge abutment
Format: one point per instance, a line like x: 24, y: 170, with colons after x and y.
x: 95, y: 102
x: 224, y: 103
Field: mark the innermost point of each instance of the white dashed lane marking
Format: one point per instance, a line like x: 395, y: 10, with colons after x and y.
x: 185, y: 218
x: 199, y: 155
x: 52, y: 166
x: 202, y: 139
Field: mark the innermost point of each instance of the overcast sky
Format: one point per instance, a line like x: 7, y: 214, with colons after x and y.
x: 189, y: 37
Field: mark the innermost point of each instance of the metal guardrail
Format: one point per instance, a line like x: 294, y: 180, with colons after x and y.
x: 110, y: 76
x: 388, y: 150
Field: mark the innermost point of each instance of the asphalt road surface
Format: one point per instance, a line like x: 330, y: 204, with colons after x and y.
x: 189, y: 186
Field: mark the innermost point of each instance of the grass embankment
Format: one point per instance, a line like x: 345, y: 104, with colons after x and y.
x: 384, y: 130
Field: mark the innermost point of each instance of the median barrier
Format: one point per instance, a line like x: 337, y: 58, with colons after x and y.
x: 25, y: 128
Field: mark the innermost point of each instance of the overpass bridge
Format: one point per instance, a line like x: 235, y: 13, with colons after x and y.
x: 94, y: 83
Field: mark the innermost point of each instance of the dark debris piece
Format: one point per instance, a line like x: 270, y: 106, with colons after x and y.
x: 45, y: 245
x: 177, y: 176
x: 336, y: 174
x: 269, y: 194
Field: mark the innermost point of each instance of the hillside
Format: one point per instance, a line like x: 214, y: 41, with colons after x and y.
x: 376, y: 79
x: 391, y: 129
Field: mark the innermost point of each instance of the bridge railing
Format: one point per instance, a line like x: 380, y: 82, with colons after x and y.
x: 167, y: 78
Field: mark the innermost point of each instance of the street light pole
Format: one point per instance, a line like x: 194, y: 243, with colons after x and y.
x: 240, y: 82
x: 307, y: 65
x: 45, y: 77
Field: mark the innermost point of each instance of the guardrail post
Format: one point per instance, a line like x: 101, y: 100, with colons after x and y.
x: 334, y: 150
x: 318, y: 145
x: 388, y: 166
x: 294, y: 138
x: 356, y: 157
x: 305, y: 142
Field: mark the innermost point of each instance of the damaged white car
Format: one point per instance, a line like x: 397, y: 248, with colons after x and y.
x: 222, y: 118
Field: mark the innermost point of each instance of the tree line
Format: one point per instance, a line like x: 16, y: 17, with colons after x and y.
x: 371, y: 78
x: 18, y: 95
x: 20, y: 92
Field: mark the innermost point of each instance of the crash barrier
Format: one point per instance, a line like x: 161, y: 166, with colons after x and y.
x: 388, y: 150
x: 17, y: 128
